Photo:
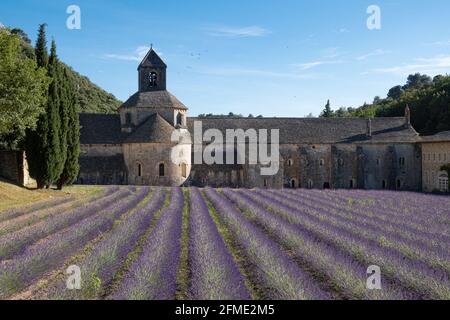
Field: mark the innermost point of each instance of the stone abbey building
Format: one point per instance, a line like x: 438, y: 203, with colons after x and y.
x: 134, y: 147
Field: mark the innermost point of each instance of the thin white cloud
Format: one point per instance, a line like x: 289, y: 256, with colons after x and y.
x: 137, y: 55
x: 378, y: 52
x: 438, y: 64
x: 341, y: 30
x: 438, y: 43
x: 237, y: 32
x: 314, y: 64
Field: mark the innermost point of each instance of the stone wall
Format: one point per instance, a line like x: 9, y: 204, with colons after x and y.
x: 344, y: 167
x: 316, y: 164
x: 102, y: 165
x: 389, y: 166
x: 14, y: 167
x: 339, y: 166
x: 434, y: 156
x: 143, y: 162
x: 216, y: 176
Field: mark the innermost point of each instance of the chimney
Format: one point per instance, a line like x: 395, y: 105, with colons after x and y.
x: 407, y: 116
x: 369, y: 128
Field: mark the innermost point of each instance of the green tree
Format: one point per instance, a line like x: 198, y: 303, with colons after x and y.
x: 27, y: 48
x: 377, y: 100
x: 41, y: 47
x: 341, y: 112
x: 23, y: 89
x: 417, y: 81
x: 327, y: 112
x: 43, y: 145
x: 395, y: 92
x: 71, y: 165
x: 54, y: 153
x: 429, y: 101
x: 36, y: 139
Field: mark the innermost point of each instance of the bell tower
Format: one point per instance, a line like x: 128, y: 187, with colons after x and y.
x: 152, y: 73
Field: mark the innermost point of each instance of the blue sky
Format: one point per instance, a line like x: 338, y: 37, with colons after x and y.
x: 276, y: 58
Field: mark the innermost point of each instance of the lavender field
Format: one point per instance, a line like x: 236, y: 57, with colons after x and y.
x: 201, y: 244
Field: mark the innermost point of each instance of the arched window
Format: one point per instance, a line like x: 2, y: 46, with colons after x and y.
x: 179, y: 119
x: 293, y: 183
x: 399, y: 184
x: 443, y: 183
x: 162, y: 170
x: 184, y: 170
x: 352, y: 184
x: 127, y: 118
x: 322, y: 162
x: 265, y: 183
x: 341, y: 162
x: 139, y: 170
x: 310, y: 184
x: 153, y: 79
x: 290, y: 162
x: 401, y: 162
x: 384, y: 184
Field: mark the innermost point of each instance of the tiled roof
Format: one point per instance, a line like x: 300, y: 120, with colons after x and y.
x: 439, y: 137
x: 152, y: 59
x: 106, y: 129
x: 100, y: 129
x: 155, y: 99
x: 319, y: 130
x: 154, y: 129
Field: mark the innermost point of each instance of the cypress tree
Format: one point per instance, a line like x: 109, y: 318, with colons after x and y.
x: 64, y: 109
x: 327, y: 112
x: 41, y: 47
x: 53, y: 153
x: 36, y: 140
x: 71, y: 165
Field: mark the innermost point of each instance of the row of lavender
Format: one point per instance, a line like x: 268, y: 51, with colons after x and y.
x: 413, y: 267
x: 31, y: 252
x: 241, y: 244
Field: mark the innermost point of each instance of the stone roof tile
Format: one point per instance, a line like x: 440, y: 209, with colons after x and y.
x: 154, y: 99
x: 319, y: 130
x: 106, y: 129
x: 439, y: 137
x: 154, y: 130
x: 100, y: 129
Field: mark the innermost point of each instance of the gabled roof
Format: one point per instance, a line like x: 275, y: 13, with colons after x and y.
x: 152, y: 59
x: 153, y: 99
x: 154, y: 130
x: 106, y: 129
x: 100, y: 129
x: 318, y: 130
x: 439, y: 137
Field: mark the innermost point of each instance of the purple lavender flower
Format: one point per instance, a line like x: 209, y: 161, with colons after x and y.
x: 274, y: 268
x: 51, y: 253
x: 102, y: 263
x: 407, y: 272
x: 153, y: 275
x: 214, y: 273
x: 15, y: 243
